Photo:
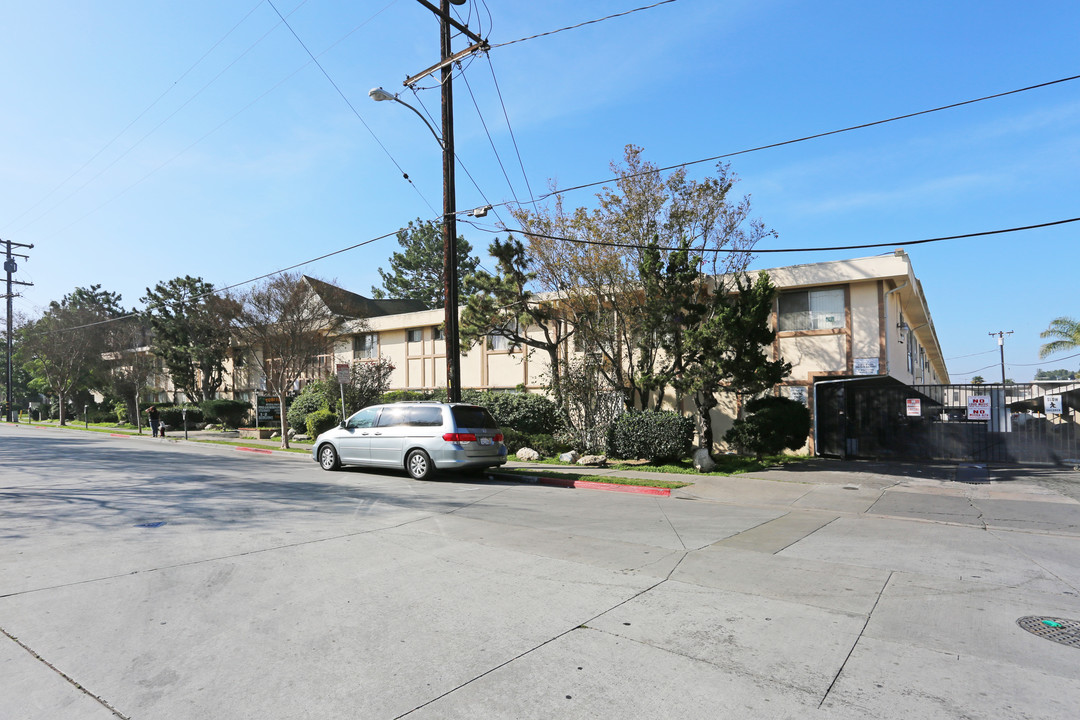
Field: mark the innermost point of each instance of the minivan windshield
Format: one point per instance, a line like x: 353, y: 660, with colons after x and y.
x: 472, y: 416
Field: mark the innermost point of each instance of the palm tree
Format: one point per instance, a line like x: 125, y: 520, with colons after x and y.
x: 1067, y: 332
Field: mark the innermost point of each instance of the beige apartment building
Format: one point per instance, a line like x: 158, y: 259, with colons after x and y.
x: 838, y: 319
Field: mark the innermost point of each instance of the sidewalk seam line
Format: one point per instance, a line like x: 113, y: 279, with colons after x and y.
x: 857, y: 639
x: 37, y: 656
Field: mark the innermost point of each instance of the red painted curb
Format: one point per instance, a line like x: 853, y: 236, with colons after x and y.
x: 258, y: 450
x: 118, y: 435
x: 610, y: 487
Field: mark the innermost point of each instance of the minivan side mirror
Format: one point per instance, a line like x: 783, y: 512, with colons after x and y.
x: 342, y: 425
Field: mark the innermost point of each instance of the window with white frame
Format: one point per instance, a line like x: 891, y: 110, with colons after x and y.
x: 811, y: 309
x: 415, y: 334
x: 366, y: 346
x: 436, y: 332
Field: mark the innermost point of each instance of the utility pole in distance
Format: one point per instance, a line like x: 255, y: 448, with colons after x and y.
x: 10, y: 267
x: 450, y: 268
x: 1001, y: 344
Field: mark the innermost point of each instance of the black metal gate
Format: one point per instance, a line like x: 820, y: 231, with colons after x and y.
x: 880, y: 417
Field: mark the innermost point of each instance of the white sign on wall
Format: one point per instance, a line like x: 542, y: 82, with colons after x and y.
x: 865, y: 366
x: 914, y: 407
x: 978, y: 407
x: 1052, y: 404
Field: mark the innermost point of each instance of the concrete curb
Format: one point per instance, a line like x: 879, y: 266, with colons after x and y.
x: 583, y: 484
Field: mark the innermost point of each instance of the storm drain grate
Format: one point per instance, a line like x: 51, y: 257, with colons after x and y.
x: 1066, y: 632
x: 155, y: 524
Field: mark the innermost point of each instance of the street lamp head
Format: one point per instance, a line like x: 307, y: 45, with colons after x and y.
x: 378, y: 95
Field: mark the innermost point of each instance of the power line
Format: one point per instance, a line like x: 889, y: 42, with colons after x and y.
x: 632, y: 246
x: 138, y: 117
x: 241, y: 283
x: 506, y: 116
x: 349, y: 103
x: 809, y: 137
x: 582, y: 24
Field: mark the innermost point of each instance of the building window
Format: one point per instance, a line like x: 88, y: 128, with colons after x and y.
x: 366, y: 346
x: 811, y: 310
x: 436, y: 332
x: 415, y: 335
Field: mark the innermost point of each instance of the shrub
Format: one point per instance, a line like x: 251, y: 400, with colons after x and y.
x: 773, y: 423
x: 403, y: 395
x: 319, y: 422
x: 657, y: 436
x: 308, y: 401
x: 226, y: 412
x: 522, y: 411
x: 173, y: 416
x: 544, y: 444
x: 121, y: 411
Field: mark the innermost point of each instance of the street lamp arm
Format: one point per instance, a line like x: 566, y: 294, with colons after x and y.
x: 378, y: 95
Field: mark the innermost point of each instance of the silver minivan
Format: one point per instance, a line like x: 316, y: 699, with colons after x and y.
x: 420, y: 437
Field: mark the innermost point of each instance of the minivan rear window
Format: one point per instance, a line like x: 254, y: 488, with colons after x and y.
x: 425, y: 416
x: 472, y: 416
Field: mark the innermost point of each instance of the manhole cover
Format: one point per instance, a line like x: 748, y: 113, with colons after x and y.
x: 1066, y: 632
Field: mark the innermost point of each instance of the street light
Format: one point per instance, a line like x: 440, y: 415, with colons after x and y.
x: 379, y: 95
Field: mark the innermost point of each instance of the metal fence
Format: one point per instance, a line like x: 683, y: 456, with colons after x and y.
x: 883, y: 418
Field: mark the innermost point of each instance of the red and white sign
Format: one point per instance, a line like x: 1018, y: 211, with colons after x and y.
x: 978, y: 407
x: 914, y: 407
x: 343, y: 374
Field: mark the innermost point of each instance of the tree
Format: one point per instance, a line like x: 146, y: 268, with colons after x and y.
x: 285, y: 327
x: 417, y: 273
x: 1059, y: 374
x: 773, y: 423
x: 190, y: 333
x: 1066, y: 332
x: 978, y: 380
x: 130, y: 364
x: 598, y: 273
x: 503, y: 305
x: 62, y: 350
x: 727, y: 350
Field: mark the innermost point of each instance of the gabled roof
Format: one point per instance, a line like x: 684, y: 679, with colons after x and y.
x: 349, y: 304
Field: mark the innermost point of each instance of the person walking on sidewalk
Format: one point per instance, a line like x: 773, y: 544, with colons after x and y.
x: 155, y: 420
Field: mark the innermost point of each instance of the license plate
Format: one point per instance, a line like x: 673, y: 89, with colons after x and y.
x: 485, y: 441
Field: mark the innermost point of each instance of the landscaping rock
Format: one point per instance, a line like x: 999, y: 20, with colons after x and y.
x: 301, y: 438
x: 569, y: 457
x: 527, y: 454
x: 703, y: 462
x: 593, y: 460
x: 275, y: 435
x: 200, y: 426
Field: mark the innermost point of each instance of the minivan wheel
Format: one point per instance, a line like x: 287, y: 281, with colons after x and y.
x: 328, y: 458
x: 418, y: 465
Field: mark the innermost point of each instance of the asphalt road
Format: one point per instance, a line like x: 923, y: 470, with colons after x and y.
x: 144, y: 578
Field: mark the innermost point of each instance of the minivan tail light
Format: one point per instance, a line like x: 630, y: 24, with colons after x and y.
x: 498, y: 437
x: 459, y: 437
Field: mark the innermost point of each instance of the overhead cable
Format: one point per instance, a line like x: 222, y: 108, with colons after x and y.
x: 583, y: 24
x: 632, y: 246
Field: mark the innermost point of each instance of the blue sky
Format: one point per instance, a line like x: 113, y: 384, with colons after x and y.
x: 142, y: 141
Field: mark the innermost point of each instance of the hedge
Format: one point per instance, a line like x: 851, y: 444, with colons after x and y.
x: 226, y: 412
x: 657, y: 436
x: 319, y: 422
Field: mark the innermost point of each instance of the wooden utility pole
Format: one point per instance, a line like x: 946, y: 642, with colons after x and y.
x: 1001, y: 344
x: 450, y: 269
x: 10, y: 267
